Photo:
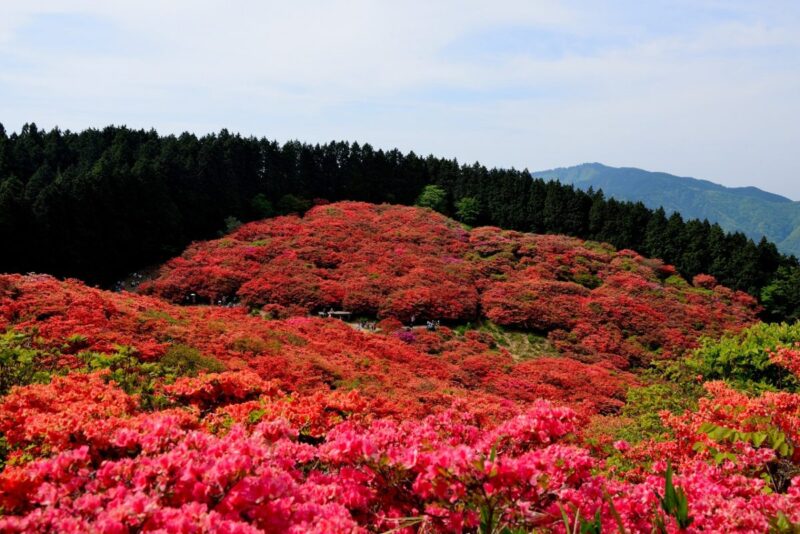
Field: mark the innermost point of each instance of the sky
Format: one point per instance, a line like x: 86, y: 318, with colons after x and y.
x: 703, y: 88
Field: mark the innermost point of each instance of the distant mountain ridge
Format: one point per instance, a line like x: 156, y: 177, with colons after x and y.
x: 749, y: 210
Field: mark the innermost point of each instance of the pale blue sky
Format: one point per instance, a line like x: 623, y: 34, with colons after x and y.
x: 709, y: 89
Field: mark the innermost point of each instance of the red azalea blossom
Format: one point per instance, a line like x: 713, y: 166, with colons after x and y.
x: 309, y: 424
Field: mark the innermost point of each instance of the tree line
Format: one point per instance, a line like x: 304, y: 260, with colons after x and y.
x: 101, y: 203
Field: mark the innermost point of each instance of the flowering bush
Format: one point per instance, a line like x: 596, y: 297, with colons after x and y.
x: 254, y: 466
x: 788, y: 358
x: 404, y: 262
x: 705, y: 281
x: 123, y: 412
x: 409, y: 373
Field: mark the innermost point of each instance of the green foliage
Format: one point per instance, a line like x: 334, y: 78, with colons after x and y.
x: 587, y: 280
x: 433, y: 197
x: 581, y: 525
x: 781, y: 524
x: 293, y: 204
x: 674, y: 502
x: 487, y: 523
x: 231, y: 224
x: 743, y: 359
x: 184, y: 360
x: 261, y: 206
x: 497, y: 332
x: 76, y: 342
x: 255, y: 416
x: 132, y: 376
x: 676, y: 281
x: 21, y: 363
x: 468, y: 209
x: 781, y: 297
x: 771, y: 438
x: 161, y: 315
x: 643, y: 405
x: 136, y: 377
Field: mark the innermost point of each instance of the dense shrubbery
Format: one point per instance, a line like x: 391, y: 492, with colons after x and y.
x: 758, y: 359
x: 390, y: 261
x: 236, y: 454
x: 21, y: 363
x: 129, y: 440
x: 121, y: 412
x: 406, y: 377
x: 748, y: 359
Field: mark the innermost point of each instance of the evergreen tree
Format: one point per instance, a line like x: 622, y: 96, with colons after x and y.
x: 14, y: 222
x: 781, y: 297
x: 656, y: 238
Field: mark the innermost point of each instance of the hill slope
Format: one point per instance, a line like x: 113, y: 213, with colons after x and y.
x: 125, y: 412
x: 750, y: 210
x: 411, y: 263
x: 405, y: 376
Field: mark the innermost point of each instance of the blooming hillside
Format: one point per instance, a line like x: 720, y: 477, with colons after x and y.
x: 595, y: 303
x: 573, y: 388
x: 402, y: 375
x: 135, y: 446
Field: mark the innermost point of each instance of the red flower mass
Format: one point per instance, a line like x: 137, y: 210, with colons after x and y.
x: 315, y: 425
x: 404, y: 262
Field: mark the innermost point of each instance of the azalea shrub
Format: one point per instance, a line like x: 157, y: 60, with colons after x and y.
x: 412, y: 263
x: 237, y: 454
x: 569, y: 387
x: 140, y: 339
x: 310, y: 425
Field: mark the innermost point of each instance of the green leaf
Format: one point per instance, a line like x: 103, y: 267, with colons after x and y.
x: 758, y: 438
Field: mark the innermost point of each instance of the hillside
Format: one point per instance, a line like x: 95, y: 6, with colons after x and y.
x: 404, y: 375
x: 384, y: 261
x: 750, y: 210
x: 563, y: 375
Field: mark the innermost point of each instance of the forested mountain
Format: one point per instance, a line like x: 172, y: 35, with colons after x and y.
x: 749, y: 210
x: 101, y: 203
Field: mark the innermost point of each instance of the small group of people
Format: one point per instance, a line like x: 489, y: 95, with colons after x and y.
x: 226, y: 301
x: 131, y: 283
x: 368, y: 325
x: 431, y: 325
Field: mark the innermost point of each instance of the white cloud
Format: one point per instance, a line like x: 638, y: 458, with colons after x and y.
x: 715, y: 97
